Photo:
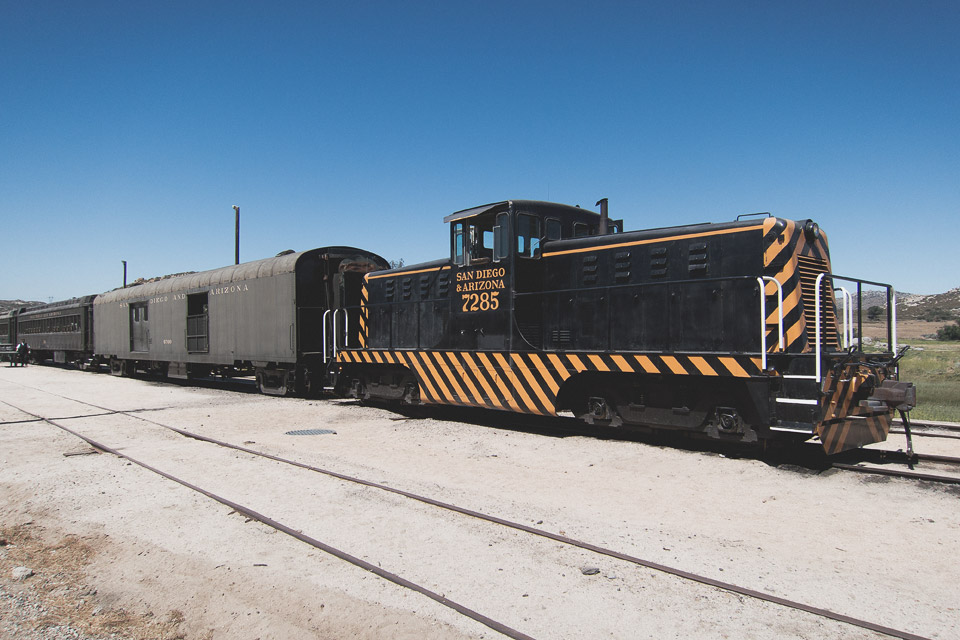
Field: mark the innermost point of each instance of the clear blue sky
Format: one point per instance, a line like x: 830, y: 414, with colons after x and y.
x: 129, y: 129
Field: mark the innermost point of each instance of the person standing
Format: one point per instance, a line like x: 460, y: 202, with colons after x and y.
x: 23, y: 350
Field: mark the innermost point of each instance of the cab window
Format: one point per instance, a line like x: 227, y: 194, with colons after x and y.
x: 528, y: 236
x: 501, y: 237
x: 472, y: 241
x: 458, y: 241
x: 553, y: 229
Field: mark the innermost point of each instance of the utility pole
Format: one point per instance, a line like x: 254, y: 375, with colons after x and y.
x: 236, y: 210
x: 124, y: 273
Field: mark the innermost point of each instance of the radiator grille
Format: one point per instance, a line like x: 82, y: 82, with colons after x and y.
x: 809, y: 269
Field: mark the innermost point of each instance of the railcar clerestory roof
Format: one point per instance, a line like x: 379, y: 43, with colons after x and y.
x: 56, y: 306
x: 266, y: 268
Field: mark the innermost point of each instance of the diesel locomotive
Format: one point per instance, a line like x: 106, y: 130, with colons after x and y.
x: 729, y: 330
x: 736, y: 331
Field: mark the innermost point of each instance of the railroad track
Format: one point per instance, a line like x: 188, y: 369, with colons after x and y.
x: 936, y: 468
x: 948, y: 430
x: 498, y: 626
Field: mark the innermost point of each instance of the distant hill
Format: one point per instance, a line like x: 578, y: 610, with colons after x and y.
x: 937, y: 307
x: 8, y: 305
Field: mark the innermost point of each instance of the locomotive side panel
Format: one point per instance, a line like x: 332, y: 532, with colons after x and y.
x: 663, y: 294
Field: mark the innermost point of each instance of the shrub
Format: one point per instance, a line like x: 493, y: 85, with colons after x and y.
x: 949, y: 331
x: 935, y: 315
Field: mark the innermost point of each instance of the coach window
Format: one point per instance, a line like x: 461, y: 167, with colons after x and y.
x: 528, y: 236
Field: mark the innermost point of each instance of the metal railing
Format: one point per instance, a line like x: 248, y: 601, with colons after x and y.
x: 819, y: 347
x: 330, y: 319
x: 762, y: 280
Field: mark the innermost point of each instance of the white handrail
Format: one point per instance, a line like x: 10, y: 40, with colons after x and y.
x: 847, y: 317
x: 779, y: 307
x: 893, y: 318
x: 761, y: 281
x: 816, y: 306
x: 325, y: 314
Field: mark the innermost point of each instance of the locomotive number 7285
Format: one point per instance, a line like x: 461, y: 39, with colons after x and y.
x: 486, y: 301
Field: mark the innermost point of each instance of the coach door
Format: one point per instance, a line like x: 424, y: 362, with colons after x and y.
x: 139, y: 327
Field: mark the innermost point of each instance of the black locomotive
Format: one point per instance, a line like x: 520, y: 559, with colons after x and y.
x: 728, y: 330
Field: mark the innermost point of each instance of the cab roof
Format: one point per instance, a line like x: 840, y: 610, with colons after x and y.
x: 517, y: 204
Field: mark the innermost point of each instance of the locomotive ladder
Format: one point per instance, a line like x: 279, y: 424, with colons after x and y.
x: 817, y: 376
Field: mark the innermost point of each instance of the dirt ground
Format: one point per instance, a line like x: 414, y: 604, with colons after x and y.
x: 906, y: 329
x: 119, y: 552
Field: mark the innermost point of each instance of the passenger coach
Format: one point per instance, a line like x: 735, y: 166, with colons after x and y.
x: 61, y: 332
x: 273, y: 318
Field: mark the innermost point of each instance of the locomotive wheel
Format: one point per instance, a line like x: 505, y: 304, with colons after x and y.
x: 601, y: 412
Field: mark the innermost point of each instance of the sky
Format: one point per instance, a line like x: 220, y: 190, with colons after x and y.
x: 128, y: 130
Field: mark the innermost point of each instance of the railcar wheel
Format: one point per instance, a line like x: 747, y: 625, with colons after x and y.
x: 273, y: 382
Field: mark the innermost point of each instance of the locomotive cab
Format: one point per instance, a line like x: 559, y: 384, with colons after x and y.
x: 495, y: 256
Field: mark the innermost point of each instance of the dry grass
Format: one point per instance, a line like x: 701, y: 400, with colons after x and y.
x: 58, y: 587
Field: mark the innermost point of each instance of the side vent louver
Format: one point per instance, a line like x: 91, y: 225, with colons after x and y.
x: 443, y: 284
x: 658, y: 262
x: 590, y: 270
x: 407, y: 288
x: 697, y: 259
x: 622, y: 267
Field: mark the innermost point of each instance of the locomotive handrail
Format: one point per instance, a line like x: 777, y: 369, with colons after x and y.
x: 891, y: 310
x: 847, y: 317
x: 326, y: 355
x: 761, y: 280
x: 816, y: 306
x: 346, y: 328
x: 623, y: 286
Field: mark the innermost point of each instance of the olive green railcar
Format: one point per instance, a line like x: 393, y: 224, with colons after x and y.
x: 60, y: 331
x: 266, y: 317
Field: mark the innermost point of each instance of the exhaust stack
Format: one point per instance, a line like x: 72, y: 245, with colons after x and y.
x: 602, y: 202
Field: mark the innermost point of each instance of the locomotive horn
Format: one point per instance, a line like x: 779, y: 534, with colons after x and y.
x: 603, y: 215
